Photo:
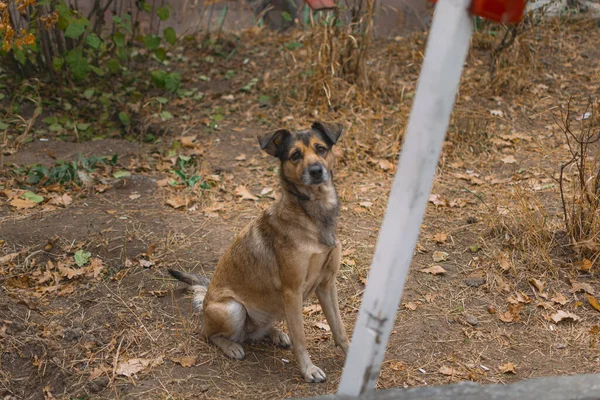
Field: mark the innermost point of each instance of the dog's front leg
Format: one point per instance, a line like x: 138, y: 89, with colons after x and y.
x: 328, y: 298
x: 293, y: 314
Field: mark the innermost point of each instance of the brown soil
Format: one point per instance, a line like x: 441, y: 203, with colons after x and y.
x: 451, y: 327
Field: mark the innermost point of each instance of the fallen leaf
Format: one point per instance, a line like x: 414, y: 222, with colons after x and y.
x: 497, y: 113
x: 580, y: 286
x: 242, y: 192
x: 436, y: 200
x: 95, y: 268
x: 561, y: 315
x: 241, y: 157
x: 513, y: 314
x: 430, y: 297
x: 68, y: 272
x: 365, y: 204
x: 176, y: 201
x: 36, y: 198
x: 135, y: 196
x: 8, y: 258
x: 145, y: 263
x: 584, y: 265
x: 349, y: 262
x: 185, y: 361
x: 21, y: 204
x: 312, y: 309
x: 440, y: 238
x: 98, y: 371
x: 188, y: 141
x: 559, y: 298
x: 434, y: 270
x: 439, y: 256
x: 163, y: 182
x: 135, y: 365
x: 509, y: 160
x: 122, y: 174
x: 538, y: 284
x: 62, y: 201
x: 322, y: 325
x: 505, y: 263
x: 593, y: 302
x: 397, y: 366
x: 411, y: 306
x: 267, y: 192
x: 508, y: 368
x: 385, y: 165
x: 448, y: 371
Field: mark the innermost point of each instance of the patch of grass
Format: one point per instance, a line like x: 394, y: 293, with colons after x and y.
x: 63, y: 172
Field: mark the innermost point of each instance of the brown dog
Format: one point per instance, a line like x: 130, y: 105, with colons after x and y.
x: 282, y: 257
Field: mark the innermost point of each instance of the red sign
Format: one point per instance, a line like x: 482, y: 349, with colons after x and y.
x: 503, y: 11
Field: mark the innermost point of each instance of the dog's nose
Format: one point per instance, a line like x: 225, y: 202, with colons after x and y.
x: 316, y: 171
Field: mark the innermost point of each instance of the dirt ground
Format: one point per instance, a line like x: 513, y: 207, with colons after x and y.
x: 119, y: 327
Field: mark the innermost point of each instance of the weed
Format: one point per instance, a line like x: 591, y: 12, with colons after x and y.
x: 581, y: 198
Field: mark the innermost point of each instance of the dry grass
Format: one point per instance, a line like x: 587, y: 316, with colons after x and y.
x: 580, y: 179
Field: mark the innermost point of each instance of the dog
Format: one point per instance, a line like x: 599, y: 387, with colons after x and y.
x: 280, y: 259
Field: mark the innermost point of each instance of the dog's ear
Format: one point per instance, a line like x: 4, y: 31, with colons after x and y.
x: 330, y: 132
x: 274, y: 142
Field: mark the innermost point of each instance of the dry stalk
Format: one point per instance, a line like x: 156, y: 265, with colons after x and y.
x: 581, y: 198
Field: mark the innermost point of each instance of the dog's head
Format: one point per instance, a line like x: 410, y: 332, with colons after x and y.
x: 306, y: 156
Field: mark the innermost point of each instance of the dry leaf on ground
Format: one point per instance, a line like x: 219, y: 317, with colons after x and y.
x: 322, y: 325
x: 580, y: 286
x: 505, y: 263
x: 434, y: 270
x: 508, y: 368
x: 177, y: 201
x: 185, y: 361
x: 509, y: 160
x: 561, y: 315
x: 241, y: 157
x: 365, y: 204
x: 411, y: 305
x: 584, y: 265
x: 242, y: 192
x: 560, y: 298
x: 135, y: 196
x: 8, y: 258
x: 436, y: 200
x: 312, y: 309
x: 538, y: 284
x: 449, y: 371
x: 593, y: 302
x: 440, y: 238
x: 22, y: 204
x: 135, y: 365
x: 385, y: 165
x: 439, y: 256
x: 62, y: 201
x: 188, y: 141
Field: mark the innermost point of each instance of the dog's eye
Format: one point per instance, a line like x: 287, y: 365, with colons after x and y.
x: 321, y: 150
x: 297, y: 155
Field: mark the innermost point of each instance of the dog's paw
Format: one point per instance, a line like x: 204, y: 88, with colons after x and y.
x: 280, y: 339
x: 235, y: 351
x: 313, y: 374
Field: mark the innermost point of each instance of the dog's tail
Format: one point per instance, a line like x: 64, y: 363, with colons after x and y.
x: 199, y: 284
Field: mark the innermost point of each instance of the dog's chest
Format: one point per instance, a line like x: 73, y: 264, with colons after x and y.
x: 316, y: 271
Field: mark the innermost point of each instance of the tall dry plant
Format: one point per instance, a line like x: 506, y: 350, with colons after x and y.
x: 579, y: 179
x: 337, y: 44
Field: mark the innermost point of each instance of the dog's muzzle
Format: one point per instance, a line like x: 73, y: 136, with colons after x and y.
x: 315, y: 174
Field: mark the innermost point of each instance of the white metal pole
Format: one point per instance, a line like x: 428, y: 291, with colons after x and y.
x: 445, y: 55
